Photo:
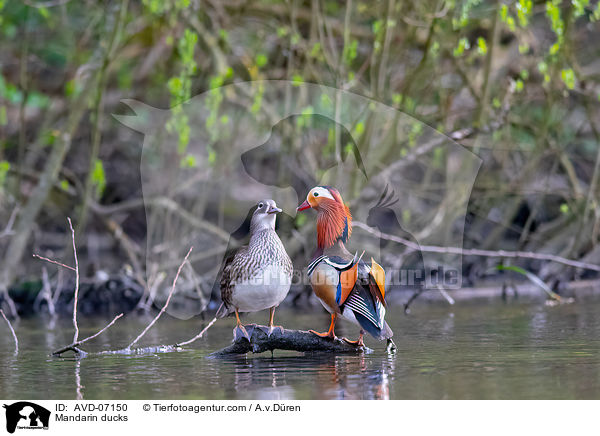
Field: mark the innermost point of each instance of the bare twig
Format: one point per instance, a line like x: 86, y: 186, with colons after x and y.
x: 54, y: 262
x: 76, y: 293
x: 76, y: 342
x: 199, y: 335
x: 76, y: 269
x: 8, y: 230
x: 11, y: 330
x: 164, y: 308
x: 74, y: 345
x: 477, y: 252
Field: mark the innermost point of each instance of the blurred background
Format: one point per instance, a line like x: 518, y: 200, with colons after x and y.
x: 515, y: 83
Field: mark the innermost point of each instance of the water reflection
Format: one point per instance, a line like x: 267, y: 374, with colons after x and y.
x: 524, y: 350
x: 336, y: 377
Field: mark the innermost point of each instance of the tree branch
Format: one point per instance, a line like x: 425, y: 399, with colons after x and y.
x: 294, y: 340
x: 74, y: 345
x: 475, y: 251
x: 164, y: 308
x: 11, y: 330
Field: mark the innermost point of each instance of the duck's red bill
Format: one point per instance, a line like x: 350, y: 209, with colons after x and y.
x: 303, y: 206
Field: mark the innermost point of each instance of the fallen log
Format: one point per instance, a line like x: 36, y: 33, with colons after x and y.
x: 284, y: 339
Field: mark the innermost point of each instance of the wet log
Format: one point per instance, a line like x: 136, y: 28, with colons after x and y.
x: 284, y: 339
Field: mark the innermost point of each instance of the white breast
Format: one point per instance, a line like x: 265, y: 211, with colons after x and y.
x: 266, y: 289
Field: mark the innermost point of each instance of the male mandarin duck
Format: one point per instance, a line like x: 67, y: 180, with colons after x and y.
x: 258, y: 275
x: 344, y: 284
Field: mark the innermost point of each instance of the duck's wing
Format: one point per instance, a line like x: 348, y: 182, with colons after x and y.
x: 348, y: 274
x: 232, y: 273
x: 367, y: 300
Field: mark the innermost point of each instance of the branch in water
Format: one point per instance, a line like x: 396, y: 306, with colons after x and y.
x: 11, y: 330
x: 166, y: 303
x: 294, y: 340
x: 74, y: 346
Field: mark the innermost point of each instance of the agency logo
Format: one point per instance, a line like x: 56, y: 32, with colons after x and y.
x: 26, y: 415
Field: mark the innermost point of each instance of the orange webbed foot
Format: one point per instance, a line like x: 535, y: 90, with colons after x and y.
x: 324, y: 335
x: 358, y: 343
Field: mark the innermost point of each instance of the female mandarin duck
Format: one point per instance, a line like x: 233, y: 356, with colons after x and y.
x: 345, y: 285
x: 258, y: 275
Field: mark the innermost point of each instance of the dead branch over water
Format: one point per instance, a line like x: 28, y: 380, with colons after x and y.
x: 164, y: 308
x: 291, y: 340
x: 11, y: 330
x: 477, y: 252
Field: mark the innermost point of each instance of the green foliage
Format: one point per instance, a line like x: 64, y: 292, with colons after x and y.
x: 257, y: 101
x: 98, y: 177
x: 415, y: 131
x: 596, y: 14
x: 524, y: 8
x: 519, y: 85
x: 180, y: 88
x: 326, y: 102
x: 580, y: 6
x: 316, y: 51
x: 557, y: 24
x: 358, y: 130
x: 261, y: 60
x: 531, y: 276
x: 350, y: 52
x: 4, y: 168
x: 507, y: 18
x: 297, y: 80
x: 305, y: 118
x: 523, y: 48
x: 73, y: 88
x: 188, y: 161
x: 481, y: 46
x: 463, y: 17
x: 543, y: 68
x: 463, y: 44
x: 568, y: 77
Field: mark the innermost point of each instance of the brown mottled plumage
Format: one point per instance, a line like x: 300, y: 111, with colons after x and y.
x: 258, y: 275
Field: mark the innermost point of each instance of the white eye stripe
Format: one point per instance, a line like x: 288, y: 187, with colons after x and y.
x: 322, y: 192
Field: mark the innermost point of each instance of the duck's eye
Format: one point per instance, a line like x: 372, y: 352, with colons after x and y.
x: 316, y: 194
x: 260, y: 205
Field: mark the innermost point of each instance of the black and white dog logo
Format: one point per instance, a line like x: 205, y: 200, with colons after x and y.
x: 26, y: 415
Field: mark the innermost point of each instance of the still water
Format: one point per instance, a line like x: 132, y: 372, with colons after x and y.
x: 477, y: 350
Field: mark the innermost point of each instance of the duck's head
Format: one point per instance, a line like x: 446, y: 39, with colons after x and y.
x: 264, y: 215
x: 334, y: 221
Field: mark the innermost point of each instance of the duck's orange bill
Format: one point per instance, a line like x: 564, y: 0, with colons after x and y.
x: 303, y: 206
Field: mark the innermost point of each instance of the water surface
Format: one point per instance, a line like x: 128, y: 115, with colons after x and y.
x: 482, y: 350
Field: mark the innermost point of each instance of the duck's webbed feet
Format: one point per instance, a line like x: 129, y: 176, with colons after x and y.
x: 330, y: 334
x: 359, y: 342
x: 268, y: 330
x: 239, y: 330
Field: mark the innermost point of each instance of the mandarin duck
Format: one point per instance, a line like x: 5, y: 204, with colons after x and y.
x: 256, y: 276
x: 344, y: 284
